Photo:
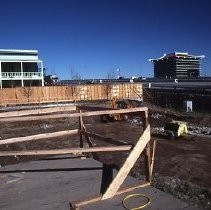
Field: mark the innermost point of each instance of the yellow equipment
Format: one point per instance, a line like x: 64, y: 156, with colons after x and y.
x: 118, y: 104
x: 115, y: 104
x: 176, y: 129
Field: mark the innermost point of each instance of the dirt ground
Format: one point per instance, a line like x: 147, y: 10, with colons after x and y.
x: 182, y: 167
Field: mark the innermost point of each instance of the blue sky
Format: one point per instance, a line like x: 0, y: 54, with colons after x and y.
x: 96, y: 37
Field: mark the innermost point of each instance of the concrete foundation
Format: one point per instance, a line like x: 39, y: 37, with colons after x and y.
x: 53, y: 183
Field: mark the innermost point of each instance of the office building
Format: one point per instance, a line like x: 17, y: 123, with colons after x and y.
x: 177, y: 65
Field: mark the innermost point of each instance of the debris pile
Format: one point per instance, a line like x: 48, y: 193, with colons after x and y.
x: 158, y: 130
x: 156, y: 115
x: 195, y: 130
x: 46, y: 126
x: 192, y: 130
x: 183, y: 190
x: 136, y: 121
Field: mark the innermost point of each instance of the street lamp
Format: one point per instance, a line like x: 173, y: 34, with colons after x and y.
x: 118, y: 70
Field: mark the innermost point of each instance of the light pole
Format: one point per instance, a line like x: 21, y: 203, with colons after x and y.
x: 118, y: 70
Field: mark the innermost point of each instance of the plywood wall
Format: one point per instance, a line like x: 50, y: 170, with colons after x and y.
x: 27, y: 95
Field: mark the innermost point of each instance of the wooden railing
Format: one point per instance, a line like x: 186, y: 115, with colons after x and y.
x: 109, y: 187
x: 20, y: 75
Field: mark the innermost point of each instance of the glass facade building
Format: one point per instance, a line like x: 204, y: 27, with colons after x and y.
x: 177, y: 65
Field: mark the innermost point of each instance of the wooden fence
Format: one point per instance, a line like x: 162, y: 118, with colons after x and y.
x: 28, y: 95
x: 109, y: 186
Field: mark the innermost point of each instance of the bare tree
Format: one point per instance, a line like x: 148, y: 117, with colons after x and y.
x: 111, y: 75
x: 75, y: 75
x: 27, y: 91
x: 72, y: 88
x: 108, y: 85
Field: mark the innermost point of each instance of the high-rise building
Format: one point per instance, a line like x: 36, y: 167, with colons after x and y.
x: 177, y: 65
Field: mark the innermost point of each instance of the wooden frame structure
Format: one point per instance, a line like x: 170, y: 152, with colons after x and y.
x: 109, y: 186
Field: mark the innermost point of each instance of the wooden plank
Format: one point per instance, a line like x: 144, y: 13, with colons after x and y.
x: 93, y: 108
x: 33, y: 118
x: 102, y: 138
x: 38, y: 137
x: 80, y: 129
x: 86, y: 137
x: 84, y: 114
x: 66, y: 151
x: 153, y: 157
x: 145, y: 184
x: 88, y: 140
x: 77, y: 204
x: 37, y: 111
x: 148, y: 163
x: 128, y: 164
x: 147, y: 156
x: 145, y: 119
x: 119, y: 111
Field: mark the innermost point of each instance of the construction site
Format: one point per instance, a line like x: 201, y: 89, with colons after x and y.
x: 103, y: 146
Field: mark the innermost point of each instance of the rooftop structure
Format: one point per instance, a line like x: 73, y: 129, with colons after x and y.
x: 20, y: 68
x: 177, y: 64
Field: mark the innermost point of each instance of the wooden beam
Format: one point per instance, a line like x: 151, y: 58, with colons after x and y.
x: 93, y: 108
x: 37, y: 111
x: 86, y: 137
x: 128, y: 164
x: 77, y: 204
x: 119, y: 111
x: 153, y: 157
x: 102, y: 138
x: 80, y: 129
x: 147, y: 158
x: 88, y: 140
x: 145, y: 184
x: 83, y: 114
x: 145, y: 119
x: 65, y: 151
x: 38, y: 137
x: 34, y: 118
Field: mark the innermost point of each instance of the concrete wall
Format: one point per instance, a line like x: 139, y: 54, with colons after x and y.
x: 175, y: 99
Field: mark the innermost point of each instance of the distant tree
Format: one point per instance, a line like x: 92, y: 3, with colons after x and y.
x: 111, y: 75
x: 45, y: 71
x: 108, y: 85
x: 75, y: 75
x: 27, y: 91
x: 72, y: 88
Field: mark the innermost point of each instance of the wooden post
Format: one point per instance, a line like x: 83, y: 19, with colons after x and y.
x: 88, y: 140
x: 148, y: 163
x: 80, y: 129
x: 153, y: 157
x: 147, y: 155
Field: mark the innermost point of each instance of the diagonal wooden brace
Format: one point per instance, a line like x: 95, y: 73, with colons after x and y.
x: 128, y: 164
